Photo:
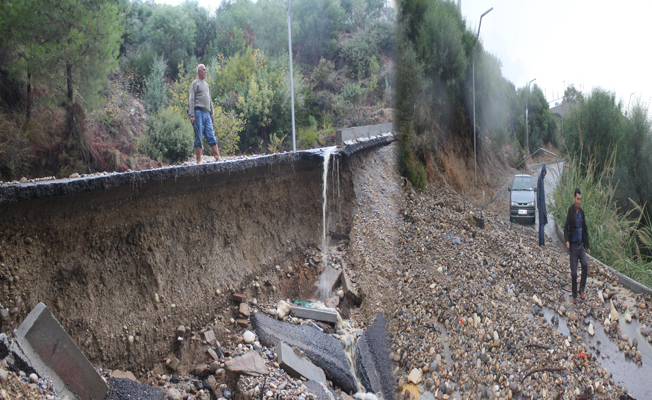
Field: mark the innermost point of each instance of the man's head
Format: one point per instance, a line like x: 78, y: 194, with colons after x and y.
x: 578, y: 198
x: 543, y: 170
x: 201, y: 71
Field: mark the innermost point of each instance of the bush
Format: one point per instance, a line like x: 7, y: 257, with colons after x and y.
x: 358, y: 51
x: 324, y: 74
x: 169, y: 137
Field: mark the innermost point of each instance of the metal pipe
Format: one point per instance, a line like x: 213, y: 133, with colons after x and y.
x: 475, y: 152
x: 294, y: 140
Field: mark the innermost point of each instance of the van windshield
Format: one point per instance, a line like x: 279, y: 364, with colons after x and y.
x: 522, y: 183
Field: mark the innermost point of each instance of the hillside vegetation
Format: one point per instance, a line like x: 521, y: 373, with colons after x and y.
x: 434, y: 95
x: 95, y: 85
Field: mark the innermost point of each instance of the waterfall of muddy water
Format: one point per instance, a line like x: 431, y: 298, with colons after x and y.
x: 348, y: 337
x: 324, y: 292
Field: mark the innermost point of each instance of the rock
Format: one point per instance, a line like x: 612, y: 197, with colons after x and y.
x: 3, y: 375
x: 181, y: 330
x: 214, y: 366
x: 124, y: 375
x: 282, y: 309
x: 319, y: 391
x: 174, y: 394
x: 628, y: 317
x: 245, y: 310
x: 4, y: 314
x: 72, y: 176
x: 209, y: 336
x: 591, y: 330
x: 248, y: 336
x: 548, y: 261
x: 642, y: 306
x: 457, y: 241
x: 172, y: 363
x: 295, y: 364
x: 33, y: 378
x: 537, y: 301
x: 249, y: 364
x: 332, y: 302
x: 349, y: 291
x: 561, y: 310
x: 239, y: 298
x: 415, y: 376
x: 434, y: 365
x: 612, y: 312
x: 496, y: 339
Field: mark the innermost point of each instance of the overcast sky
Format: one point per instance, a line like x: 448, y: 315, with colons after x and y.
x: 587, y: 43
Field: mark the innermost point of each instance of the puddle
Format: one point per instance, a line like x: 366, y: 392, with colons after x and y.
x: 624, y: 371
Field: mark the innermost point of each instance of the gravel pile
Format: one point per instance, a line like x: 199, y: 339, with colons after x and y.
x: 469, y: 314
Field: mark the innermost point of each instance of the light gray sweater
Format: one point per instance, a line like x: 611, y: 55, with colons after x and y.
x: 200, y: 97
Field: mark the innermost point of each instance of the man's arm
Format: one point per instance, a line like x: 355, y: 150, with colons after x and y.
x: 191, y: 103
x: 567, y: 229
x: 585, y: 233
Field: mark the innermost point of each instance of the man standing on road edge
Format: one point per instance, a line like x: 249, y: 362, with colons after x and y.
x: 200, y: 110
x: 541, y: 205
x: 577, y: 241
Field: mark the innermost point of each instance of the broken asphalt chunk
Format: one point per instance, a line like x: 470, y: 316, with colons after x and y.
x: 323, y: 350
x: 298, y: 366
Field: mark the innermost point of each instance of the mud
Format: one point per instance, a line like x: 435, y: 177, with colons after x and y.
x: 101, y: 259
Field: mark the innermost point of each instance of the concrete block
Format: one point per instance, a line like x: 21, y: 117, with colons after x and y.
x: 349, y: 291
x: 52, y: 352
x: 316, y: 314
x: 297, y: 365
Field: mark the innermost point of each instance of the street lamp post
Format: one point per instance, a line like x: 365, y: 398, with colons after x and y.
x: 475, y: 153
x: 630, y: 100
x: 294, y: 141
x: 527, y: 135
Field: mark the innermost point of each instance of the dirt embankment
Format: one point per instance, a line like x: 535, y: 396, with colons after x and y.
x: 101, y: 260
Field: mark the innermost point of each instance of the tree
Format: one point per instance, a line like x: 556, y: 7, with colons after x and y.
x: 155, y: 87
x: 572, y: 95
x: 315, y: 35
x: 172, y: 34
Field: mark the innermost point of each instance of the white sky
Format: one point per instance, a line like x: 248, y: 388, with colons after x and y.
x: 587, y: 43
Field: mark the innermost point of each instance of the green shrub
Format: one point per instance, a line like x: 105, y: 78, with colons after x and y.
x: 357, y: 53
x: 169, y: 137
x: 324, y: 74
x: 617, y: 239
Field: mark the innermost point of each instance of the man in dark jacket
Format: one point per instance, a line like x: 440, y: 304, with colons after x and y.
x: 577, y: 241
x: 541, y: 205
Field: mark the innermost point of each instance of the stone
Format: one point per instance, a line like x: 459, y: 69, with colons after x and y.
x: 415, y: 376
x: 181, y: 330
x: 628, y: 317
x: 250, y: 363
x: 537, y: 301
x: 328, y: 280
x: 349, y: 290
x: 434, y: 366
x: 123, y: 375
x: 3, y: 375
x: 213, y: 354
x: 591, y: 330
x: 239, y: 298
x: 642, y: 306
x: 320, y: 391
x: 248, y: 337
x: 612, y: 312
x: 496, y: 339
x: 209, y: 337
x: 282, y: 309
x: 172, y: 363
x: 332, y: 302
x: 297, y: 365
x: 245, y: 310
x: 4, y: 314
x: 174, y: 394
x: 33, y: 378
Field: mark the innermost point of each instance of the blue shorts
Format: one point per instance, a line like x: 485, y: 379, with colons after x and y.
x: 203, y: 127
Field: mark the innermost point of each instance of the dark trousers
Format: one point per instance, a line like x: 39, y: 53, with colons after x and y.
x: 542, y: 236
x: 577, y: 252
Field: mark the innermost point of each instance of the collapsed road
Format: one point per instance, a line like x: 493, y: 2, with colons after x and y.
x: 167, y: 281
